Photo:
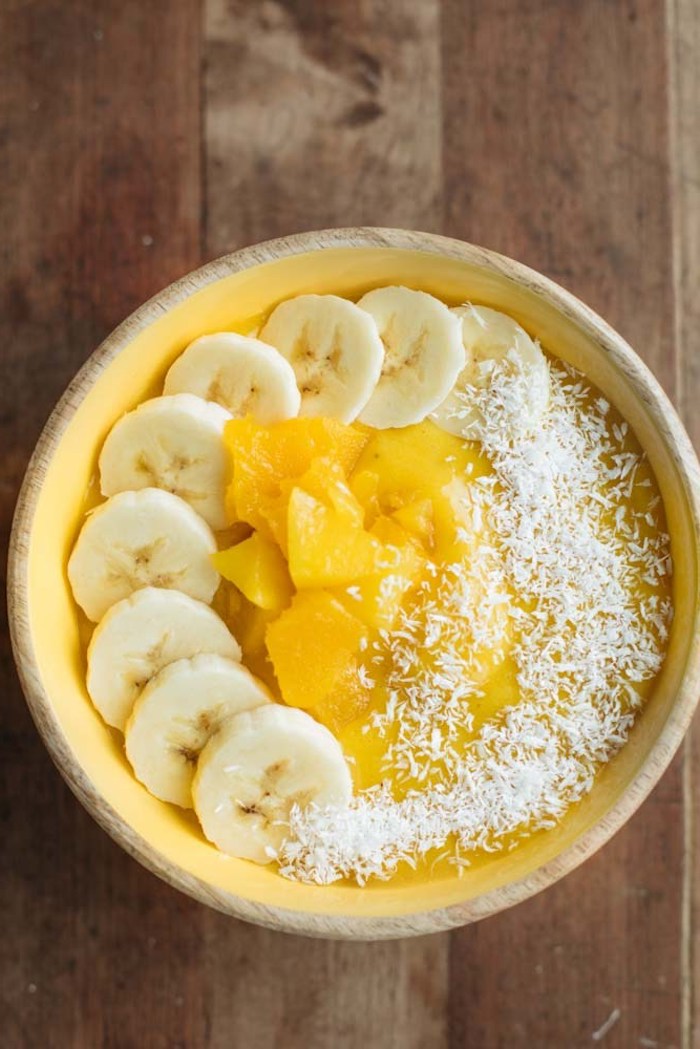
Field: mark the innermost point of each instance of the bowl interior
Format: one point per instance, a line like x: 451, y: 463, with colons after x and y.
x: 235, y: 301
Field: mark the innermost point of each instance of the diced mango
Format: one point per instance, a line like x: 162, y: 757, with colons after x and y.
x: 388, y: 530
x: 227, y: 602
x: 325, y: 480
x: 257, y: 567
x: 250, y: 627
x: 457, y: 521
x: 313, y: 646
x: 377, y: 598
x: 417, y: 517
x: 264, y: 456
x: 364, y: 485
x: 326, y: 547
x: 348, y: 700
x: 413, y: 462
x: 333, y: 439
x: 248, y: 623
x: 412, y: 457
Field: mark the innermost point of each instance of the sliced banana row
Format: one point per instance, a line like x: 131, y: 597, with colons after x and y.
x: 165, y: 669
x: 400, y: 355
x: 204, y: 733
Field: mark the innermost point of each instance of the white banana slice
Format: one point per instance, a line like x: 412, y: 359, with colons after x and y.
x: 490, y: 336
x: 178, y: 711
x: 334, y: 349
x: 174, y: 443
x: 256, y: 769
x: 137, y: 539
x: 142, y: 634
x: 423, y: 355
x: 245, y: 376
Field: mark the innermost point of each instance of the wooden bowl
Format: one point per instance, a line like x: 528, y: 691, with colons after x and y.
x: 233, y: 292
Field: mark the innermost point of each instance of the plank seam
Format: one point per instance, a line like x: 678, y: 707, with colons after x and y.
x: 203, y: 156
x: 673, y: 23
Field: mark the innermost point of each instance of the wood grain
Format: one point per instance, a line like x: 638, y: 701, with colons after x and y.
x: 99, y: 208
x: 684, y: 81
x: 565, y: 166
x: 553, y: 140
x: 268, y: 990
x: 321, y: 114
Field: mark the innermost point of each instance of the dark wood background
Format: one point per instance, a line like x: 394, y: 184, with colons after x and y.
x: 139, y: 138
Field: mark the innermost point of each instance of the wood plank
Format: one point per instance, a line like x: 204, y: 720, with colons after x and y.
x: 99, y: 124
x: 321, y: 115
x: 268, y: 989
x: 684, y: 77
x: 556, y: 152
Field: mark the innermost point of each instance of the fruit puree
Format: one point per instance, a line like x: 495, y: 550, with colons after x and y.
x: 379, y: 595
x: 363, y: 519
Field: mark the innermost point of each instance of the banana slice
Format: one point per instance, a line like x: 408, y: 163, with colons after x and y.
x: 334, y: 349
x: 142, y: 634
x: 178, y: 711
x: 423, y: 355
x: 137, y: 539
x: 243, y: 375
x: 256, y: 769
x: 490, y: 336
x: 174, y: 443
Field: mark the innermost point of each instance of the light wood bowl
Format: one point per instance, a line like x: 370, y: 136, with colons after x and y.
x: 233, y: 292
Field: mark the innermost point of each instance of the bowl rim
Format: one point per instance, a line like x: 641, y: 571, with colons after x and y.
x: 346, y: 926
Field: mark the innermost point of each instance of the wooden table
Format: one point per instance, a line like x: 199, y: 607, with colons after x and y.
x: 141, y: 137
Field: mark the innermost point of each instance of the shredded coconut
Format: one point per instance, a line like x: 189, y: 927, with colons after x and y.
x: 565, y: 566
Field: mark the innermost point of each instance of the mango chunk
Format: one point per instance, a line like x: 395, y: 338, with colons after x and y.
x: 378, y: 598
x: 257, y: 567
x: 364, y: 485
x: 250, y: 627
x: 418, y: 518
x: 458, y: 523
x: 349, y: 699
x: 313, y: 646
x: 326, y: 546
x: 325, y: 480
x: 388, y: 530
x: 248, y: 623
x: 412, y: 459
x: 264, y: 456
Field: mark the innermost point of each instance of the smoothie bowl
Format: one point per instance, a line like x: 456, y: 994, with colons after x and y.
x: 354, y: 583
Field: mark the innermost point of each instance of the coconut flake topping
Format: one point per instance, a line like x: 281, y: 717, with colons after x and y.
x: 568, y: 566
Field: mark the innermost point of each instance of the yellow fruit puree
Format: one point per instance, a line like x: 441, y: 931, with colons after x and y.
x: 477, y: 623
x: 353, y: 528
